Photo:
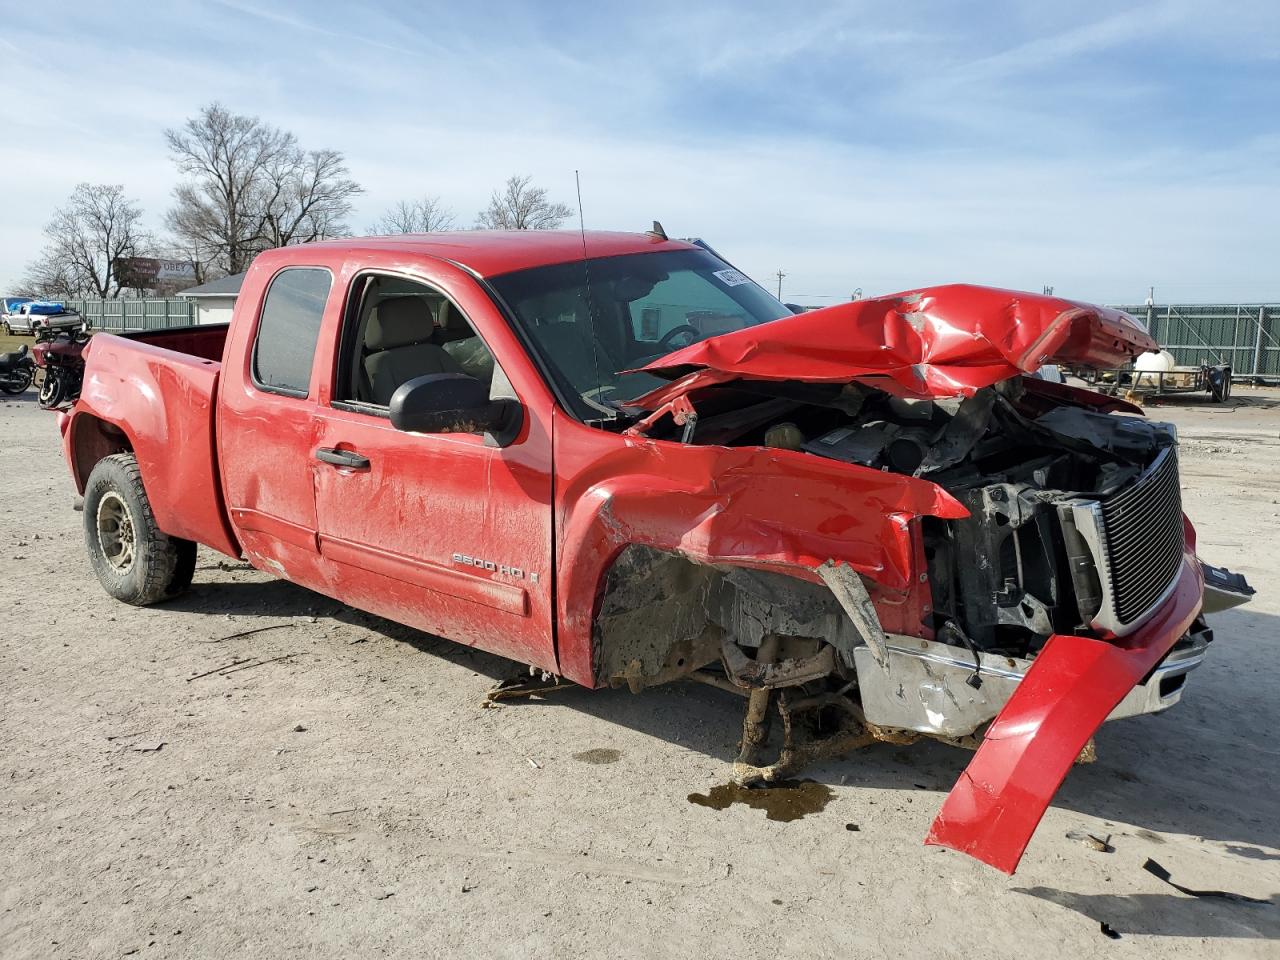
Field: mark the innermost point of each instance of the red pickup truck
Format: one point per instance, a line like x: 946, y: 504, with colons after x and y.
x: 616, y: 459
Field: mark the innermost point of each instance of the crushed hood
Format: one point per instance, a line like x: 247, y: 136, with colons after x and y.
x: 934, y: 342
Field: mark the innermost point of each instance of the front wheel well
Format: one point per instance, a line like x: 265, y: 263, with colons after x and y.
x: 662, y: 615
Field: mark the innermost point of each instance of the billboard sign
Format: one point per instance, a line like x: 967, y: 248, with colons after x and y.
x: 144, y: 272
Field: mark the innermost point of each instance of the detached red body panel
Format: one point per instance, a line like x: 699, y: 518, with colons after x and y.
x: 1075, y: 682
x: 935, y: 342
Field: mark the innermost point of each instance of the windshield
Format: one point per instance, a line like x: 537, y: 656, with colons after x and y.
x: 590, y: 320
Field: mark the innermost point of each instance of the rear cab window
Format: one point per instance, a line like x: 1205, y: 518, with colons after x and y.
x: 288, y: 328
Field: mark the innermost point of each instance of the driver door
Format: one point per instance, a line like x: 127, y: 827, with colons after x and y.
x: 444, y: 532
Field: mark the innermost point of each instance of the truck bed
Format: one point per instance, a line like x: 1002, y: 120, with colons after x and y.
x: 158, y: 388
x: 205, y: 341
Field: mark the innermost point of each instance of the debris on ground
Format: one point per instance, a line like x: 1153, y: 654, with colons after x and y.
x: 513, y: 688
x: 1160, y: 873
x: 1092, y: 841
x: 248, y: 633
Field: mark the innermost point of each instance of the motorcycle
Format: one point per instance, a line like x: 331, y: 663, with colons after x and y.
x: 17, y: 371
x: 58, y: 352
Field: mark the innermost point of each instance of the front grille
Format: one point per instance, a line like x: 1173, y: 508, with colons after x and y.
x: 1142, y: 527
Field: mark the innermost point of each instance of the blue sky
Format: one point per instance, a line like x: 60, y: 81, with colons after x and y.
x: 1098, y: 147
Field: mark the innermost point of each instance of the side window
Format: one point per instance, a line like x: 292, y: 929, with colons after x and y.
x: 288, y: 329
x: 398, y: 329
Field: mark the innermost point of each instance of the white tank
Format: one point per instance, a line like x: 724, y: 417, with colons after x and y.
x: 1161, y: 362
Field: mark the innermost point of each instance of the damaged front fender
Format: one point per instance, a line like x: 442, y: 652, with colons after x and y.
x: 767, y: 509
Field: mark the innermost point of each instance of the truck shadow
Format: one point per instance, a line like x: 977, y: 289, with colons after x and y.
x: 1200, y: 769
x: 1168, y: 914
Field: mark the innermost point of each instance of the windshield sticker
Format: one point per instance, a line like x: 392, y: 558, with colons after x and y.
x: 731, y: 278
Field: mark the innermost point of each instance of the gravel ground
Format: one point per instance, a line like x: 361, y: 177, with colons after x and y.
x: 354, y: 799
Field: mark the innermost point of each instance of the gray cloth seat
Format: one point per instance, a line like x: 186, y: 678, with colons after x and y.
x: 398, y: 339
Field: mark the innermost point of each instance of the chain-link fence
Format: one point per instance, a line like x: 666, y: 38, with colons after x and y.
x: 1245, y: 335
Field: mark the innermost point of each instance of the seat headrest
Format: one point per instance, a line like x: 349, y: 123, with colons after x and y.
x: 399, y: 322
x: 453, y: 325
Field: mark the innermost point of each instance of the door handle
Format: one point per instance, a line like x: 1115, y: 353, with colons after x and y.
x: 343, y: 458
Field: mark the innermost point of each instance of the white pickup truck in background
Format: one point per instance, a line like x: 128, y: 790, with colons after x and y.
x: 31, y: 316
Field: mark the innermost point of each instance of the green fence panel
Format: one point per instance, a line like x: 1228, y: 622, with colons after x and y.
x: 122, y: 316
x: 1245, y: 335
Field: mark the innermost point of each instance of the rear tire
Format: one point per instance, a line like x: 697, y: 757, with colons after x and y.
x: 15, y: 387
x: 8, y: 330
x: 135, y: 561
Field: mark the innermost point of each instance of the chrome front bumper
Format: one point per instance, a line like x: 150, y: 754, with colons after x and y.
x: 927, y: 686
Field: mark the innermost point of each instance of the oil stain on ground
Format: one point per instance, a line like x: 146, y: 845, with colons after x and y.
x: 784, y: 801
x: 599, y: 755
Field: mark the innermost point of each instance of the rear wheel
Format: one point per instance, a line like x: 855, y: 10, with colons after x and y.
x: 18, y: 381
x: 134, y: 560
x: 8, y: 330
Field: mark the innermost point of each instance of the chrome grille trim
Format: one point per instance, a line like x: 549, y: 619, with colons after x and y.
x: 1136, y: 539
x: 1143, y: 526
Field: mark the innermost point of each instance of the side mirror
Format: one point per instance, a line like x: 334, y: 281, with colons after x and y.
x: 454, y: 403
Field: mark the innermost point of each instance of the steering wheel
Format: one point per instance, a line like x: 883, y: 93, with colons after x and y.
x: 674, y: 331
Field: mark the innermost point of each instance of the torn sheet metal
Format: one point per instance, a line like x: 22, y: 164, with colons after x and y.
x: 852, y: 594
x: 1072, y: 686
x: 934, y: 342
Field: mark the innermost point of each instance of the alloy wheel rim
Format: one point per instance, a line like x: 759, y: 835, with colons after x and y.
x: 116, y: 534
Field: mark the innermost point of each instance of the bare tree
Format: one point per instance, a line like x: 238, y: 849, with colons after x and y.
x: 252, y: 187
x: 427, y: 215
x: 85, y: 238
x: 519, y: 206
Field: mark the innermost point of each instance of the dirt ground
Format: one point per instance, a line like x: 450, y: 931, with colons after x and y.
x: 353, y: 799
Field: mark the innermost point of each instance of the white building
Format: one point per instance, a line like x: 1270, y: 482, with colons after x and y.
x: 215, y: 299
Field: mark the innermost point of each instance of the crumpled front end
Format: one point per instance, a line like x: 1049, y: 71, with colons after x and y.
x: 1047, y: 583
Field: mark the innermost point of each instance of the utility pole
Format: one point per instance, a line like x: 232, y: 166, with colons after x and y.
x: 779, y: 275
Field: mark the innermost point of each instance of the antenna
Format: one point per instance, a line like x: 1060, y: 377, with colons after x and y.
x: 586, y: 279
x: 582, y: 225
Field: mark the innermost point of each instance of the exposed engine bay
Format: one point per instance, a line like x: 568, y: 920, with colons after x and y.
x: 1013, y: 572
